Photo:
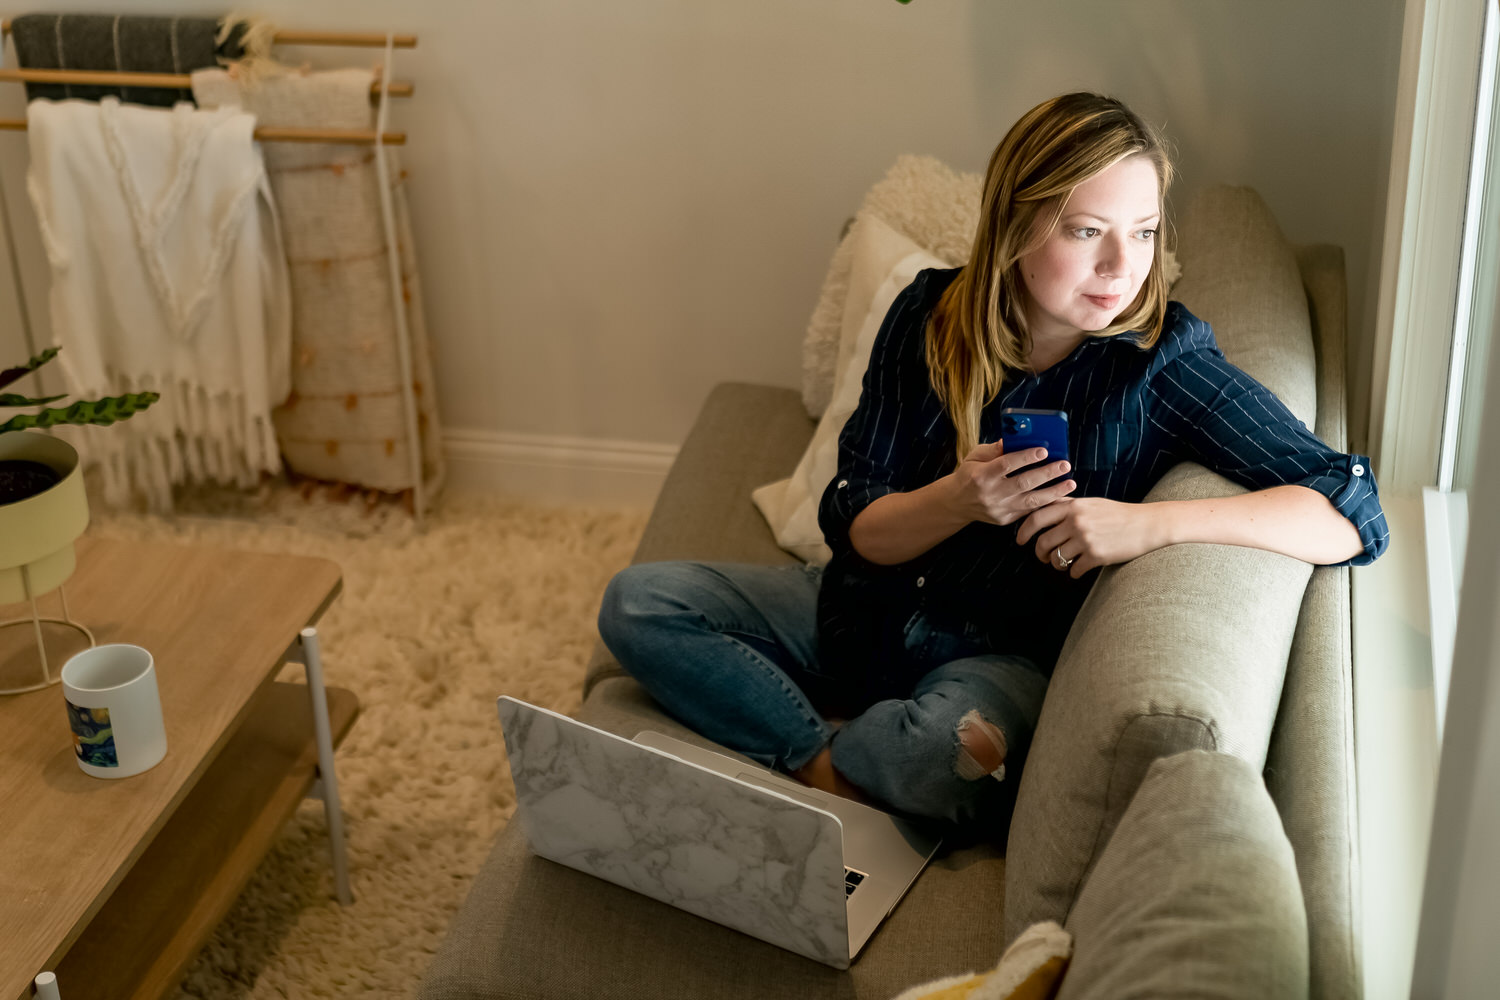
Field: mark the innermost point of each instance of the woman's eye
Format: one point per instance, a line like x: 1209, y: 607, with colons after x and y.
x: 1146, y: 235
x: 1086, y: 233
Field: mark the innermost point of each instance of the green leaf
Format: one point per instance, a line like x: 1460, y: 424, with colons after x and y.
x: 11, y: 399
x: 89, y: 411
x: 11, y: 374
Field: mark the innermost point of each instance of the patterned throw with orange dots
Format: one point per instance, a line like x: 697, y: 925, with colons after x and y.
x: 344, y: 421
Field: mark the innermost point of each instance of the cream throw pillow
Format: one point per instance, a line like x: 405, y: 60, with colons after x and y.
x: 923, y: 199
x: 884, y: 263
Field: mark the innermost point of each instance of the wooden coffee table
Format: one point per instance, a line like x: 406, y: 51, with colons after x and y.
x: 114, y: 885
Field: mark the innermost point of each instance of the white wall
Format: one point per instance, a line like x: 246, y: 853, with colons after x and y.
x: 619, y: 204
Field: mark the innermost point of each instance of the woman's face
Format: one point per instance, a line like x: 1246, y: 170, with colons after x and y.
x: 1092, y: 266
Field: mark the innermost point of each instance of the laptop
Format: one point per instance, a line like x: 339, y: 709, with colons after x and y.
x: 729, y: 841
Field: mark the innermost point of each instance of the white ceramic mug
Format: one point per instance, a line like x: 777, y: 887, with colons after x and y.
x: 114, y: 710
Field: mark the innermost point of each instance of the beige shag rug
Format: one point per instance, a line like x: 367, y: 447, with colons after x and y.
x: 492, y: 598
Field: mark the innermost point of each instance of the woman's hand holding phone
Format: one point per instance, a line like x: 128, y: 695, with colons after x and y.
x: 987, y: 488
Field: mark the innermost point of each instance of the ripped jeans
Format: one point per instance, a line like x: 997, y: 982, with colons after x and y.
x: 731, y: 651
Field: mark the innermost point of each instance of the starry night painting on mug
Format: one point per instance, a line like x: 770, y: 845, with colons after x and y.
x: 93, y: 737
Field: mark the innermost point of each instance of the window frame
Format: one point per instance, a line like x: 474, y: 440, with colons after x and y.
x: 1405, y: 606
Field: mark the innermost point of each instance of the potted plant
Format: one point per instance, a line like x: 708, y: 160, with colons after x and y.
x: 42, y: 504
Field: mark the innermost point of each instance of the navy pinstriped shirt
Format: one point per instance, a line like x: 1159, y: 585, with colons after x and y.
x: 1132, y: 415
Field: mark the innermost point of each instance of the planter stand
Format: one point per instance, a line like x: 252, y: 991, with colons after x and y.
x: 41, y: 647
x: 36, y: 544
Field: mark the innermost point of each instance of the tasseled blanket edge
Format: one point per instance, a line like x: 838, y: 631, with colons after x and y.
x: 190, y: 435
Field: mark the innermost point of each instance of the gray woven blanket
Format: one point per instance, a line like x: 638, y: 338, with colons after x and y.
x: 122, y: 43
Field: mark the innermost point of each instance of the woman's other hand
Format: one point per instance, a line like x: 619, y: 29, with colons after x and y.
x: 1093, y: 532
x: 1292, y: 520
x: 987, y: 489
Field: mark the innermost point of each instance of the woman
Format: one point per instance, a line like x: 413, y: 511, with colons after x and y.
x: 957, y: 567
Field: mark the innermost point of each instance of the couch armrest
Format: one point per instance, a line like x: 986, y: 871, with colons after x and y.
x: 1181, y: 649
x: 1185, y: 647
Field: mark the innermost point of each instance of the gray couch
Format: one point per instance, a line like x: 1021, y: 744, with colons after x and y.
x: 1142, y: 821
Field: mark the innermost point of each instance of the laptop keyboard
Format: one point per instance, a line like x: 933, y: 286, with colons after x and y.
x: 852, y: 879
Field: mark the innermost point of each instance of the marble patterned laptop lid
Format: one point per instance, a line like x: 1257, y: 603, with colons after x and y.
x: 734, y: 853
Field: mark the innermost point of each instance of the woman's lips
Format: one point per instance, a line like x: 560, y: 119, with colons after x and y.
x: 1104, y: 301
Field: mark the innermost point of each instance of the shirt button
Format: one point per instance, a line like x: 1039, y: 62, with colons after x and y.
x: 921, y: 581
x: 1358, y: 470
x: 843, y: 483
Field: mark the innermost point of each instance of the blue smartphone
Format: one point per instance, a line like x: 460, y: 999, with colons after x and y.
x: 1022, y: 429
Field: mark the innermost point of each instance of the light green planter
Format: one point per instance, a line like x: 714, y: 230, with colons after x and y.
x: 38, y: 533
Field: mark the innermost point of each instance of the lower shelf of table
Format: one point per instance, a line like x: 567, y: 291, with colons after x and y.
x: 141, y: 942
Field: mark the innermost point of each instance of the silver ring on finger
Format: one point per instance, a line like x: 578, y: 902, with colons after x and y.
x: 1059, y: 560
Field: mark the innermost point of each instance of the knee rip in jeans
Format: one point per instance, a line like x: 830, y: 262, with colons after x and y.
x: 981, y: 748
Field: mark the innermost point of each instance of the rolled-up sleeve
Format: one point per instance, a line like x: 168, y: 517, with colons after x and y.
x: 1204, y: 408
x: 898, y: 437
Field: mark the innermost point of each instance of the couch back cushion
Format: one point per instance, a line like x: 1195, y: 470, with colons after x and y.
x: 1240, y: 275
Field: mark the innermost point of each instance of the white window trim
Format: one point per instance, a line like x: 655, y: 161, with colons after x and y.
x: 1463, y: 319
x: 1455, y: 953
x: 1396, y: 744
x: 1423, y: 236
x: 1445, y: 529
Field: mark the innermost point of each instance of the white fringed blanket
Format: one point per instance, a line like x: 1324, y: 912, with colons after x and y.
x: 167, y: 275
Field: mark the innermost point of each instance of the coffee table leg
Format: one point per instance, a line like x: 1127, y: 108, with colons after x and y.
x: 328, y: 778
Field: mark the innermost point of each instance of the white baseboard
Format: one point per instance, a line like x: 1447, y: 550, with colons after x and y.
x: 547, y: 468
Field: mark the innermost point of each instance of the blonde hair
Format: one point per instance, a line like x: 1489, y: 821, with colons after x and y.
x: 978, y: 333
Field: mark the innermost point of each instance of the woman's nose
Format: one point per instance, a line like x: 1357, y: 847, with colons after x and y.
x: 1114, y: 261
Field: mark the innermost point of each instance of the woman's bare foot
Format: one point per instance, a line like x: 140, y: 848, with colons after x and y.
x: 821, y: 774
